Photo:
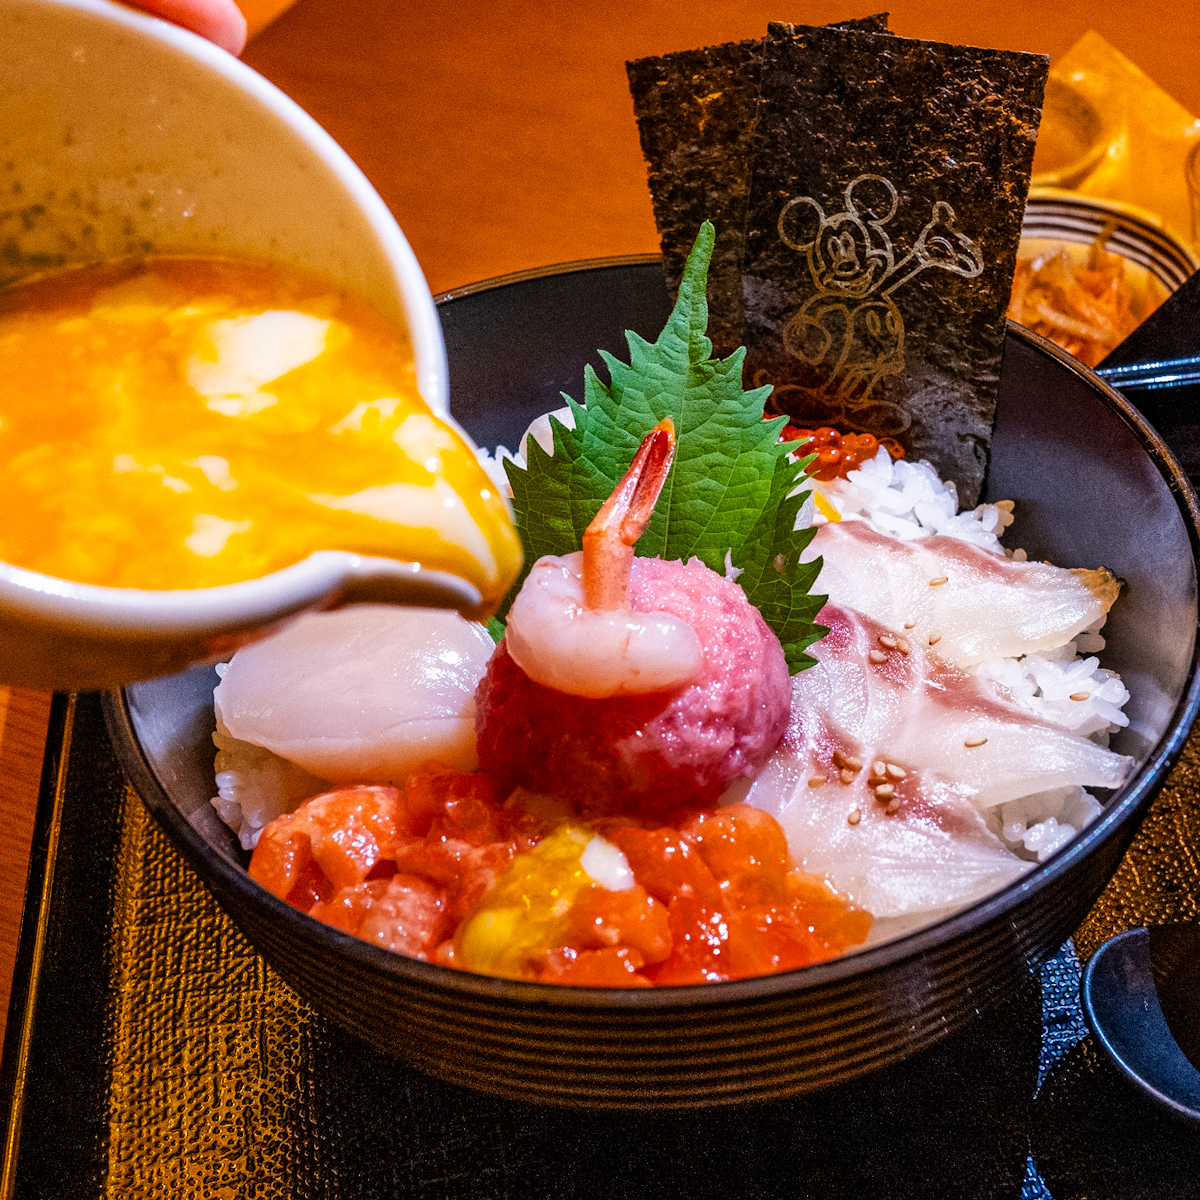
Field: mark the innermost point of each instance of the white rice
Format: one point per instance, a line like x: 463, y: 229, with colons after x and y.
x: 907, y: 500
x: 254, y: 785
x: 1034, y: 827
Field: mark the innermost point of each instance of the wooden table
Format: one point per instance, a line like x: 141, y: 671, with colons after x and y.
x: 502, y: 137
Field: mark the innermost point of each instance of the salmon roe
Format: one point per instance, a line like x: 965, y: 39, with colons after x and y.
x: 838, y: 453
x: 445, y: 870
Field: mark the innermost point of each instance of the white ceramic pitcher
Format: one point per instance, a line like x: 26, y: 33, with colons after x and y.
x: 122, y: 134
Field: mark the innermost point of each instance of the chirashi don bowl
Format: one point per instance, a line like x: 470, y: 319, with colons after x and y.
x: 1093, y: 484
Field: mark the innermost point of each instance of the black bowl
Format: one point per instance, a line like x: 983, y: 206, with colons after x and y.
x: 1094, y: 484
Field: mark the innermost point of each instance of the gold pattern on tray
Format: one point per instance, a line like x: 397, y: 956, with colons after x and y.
x: 1158, y: 881
x: 208, y: 1045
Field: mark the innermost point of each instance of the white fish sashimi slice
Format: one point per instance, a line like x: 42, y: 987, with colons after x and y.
x: 985, y: 607
x: 919, y: 710
x: 935, y: 853
x: 364, y: 694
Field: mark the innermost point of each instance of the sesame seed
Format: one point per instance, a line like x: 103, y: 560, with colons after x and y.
x: 903, y: 646
x: 887, y: 641
x: 939, y: 581
x: 817, y: 781
x: 877, y: 656
x: 847, y: 775
x: 893, y: 805
x: 854, y: 817
x: 934, y: 638
x: 971, y: 743
x: 879, y: 768
x: 910, y: 624
x: 854, y: 764
x: 896, y: 772
x: 885, y: 791
x: 1081, y: 695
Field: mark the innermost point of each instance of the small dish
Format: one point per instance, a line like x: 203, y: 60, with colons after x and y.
x: 1126, y: 985
x: 1092, y: 302
x: 121, y: 134
x: 1054, y: 216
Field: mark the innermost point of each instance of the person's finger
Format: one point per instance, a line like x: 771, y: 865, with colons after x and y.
x: 220, y: 21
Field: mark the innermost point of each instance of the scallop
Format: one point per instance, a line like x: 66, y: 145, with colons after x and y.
x: 366, y: 693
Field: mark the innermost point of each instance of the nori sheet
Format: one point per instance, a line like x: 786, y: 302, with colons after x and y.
x: 696, y: 112
x: 888, y: 190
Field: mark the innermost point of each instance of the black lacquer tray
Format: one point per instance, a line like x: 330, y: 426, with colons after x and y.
x: 150, y: 1054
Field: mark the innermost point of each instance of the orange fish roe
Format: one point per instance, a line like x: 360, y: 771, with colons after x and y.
x: 838, y: 453
x: 441, y: 870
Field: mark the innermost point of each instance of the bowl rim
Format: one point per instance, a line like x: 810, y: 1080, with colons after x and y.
x: 1127, y: 803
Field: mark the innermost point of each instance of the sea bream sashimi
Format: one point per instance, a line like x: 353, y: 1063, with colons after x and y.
x: 923, y: 848
x: 890, y: 761
x: 904, y: 702
x: 973, y: 604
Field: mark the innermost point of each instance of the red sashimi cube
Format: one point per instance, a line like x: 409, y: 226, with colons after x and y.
x: 438, y: 861
x: 458, y: 804
x: 745, y: 849
x: 408, y: 917
x: 700, y: 942
x: 765, y: 939
x: 347, y: 908
x: 666, y: 865
x: 831, y: 916
x: 282, y: 856
x: 311, y: 887
x: 471, y: 818
x: 480, y: 867
x: 614, y: 966
x: 463, y: 871
x: 601, y: 918
x: 350, y: 830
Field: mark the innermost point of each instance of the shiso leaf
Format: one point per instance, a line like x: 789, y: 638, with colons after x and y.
x: 732, y: 489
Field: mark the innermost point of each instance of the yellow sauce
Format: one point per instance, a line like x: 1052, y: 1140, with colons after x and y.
x: 182, y: 423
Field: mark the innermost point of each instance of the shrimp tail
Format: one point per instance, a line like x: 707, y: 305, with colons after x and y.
x: 622, y: 519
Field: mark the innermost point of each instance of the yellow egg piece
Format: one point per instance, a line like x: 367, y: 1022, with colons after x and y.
x: 526, y: 913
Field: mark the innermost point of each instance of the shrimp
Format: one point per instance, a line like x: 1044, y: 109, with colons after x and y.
x: 572, y: 627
